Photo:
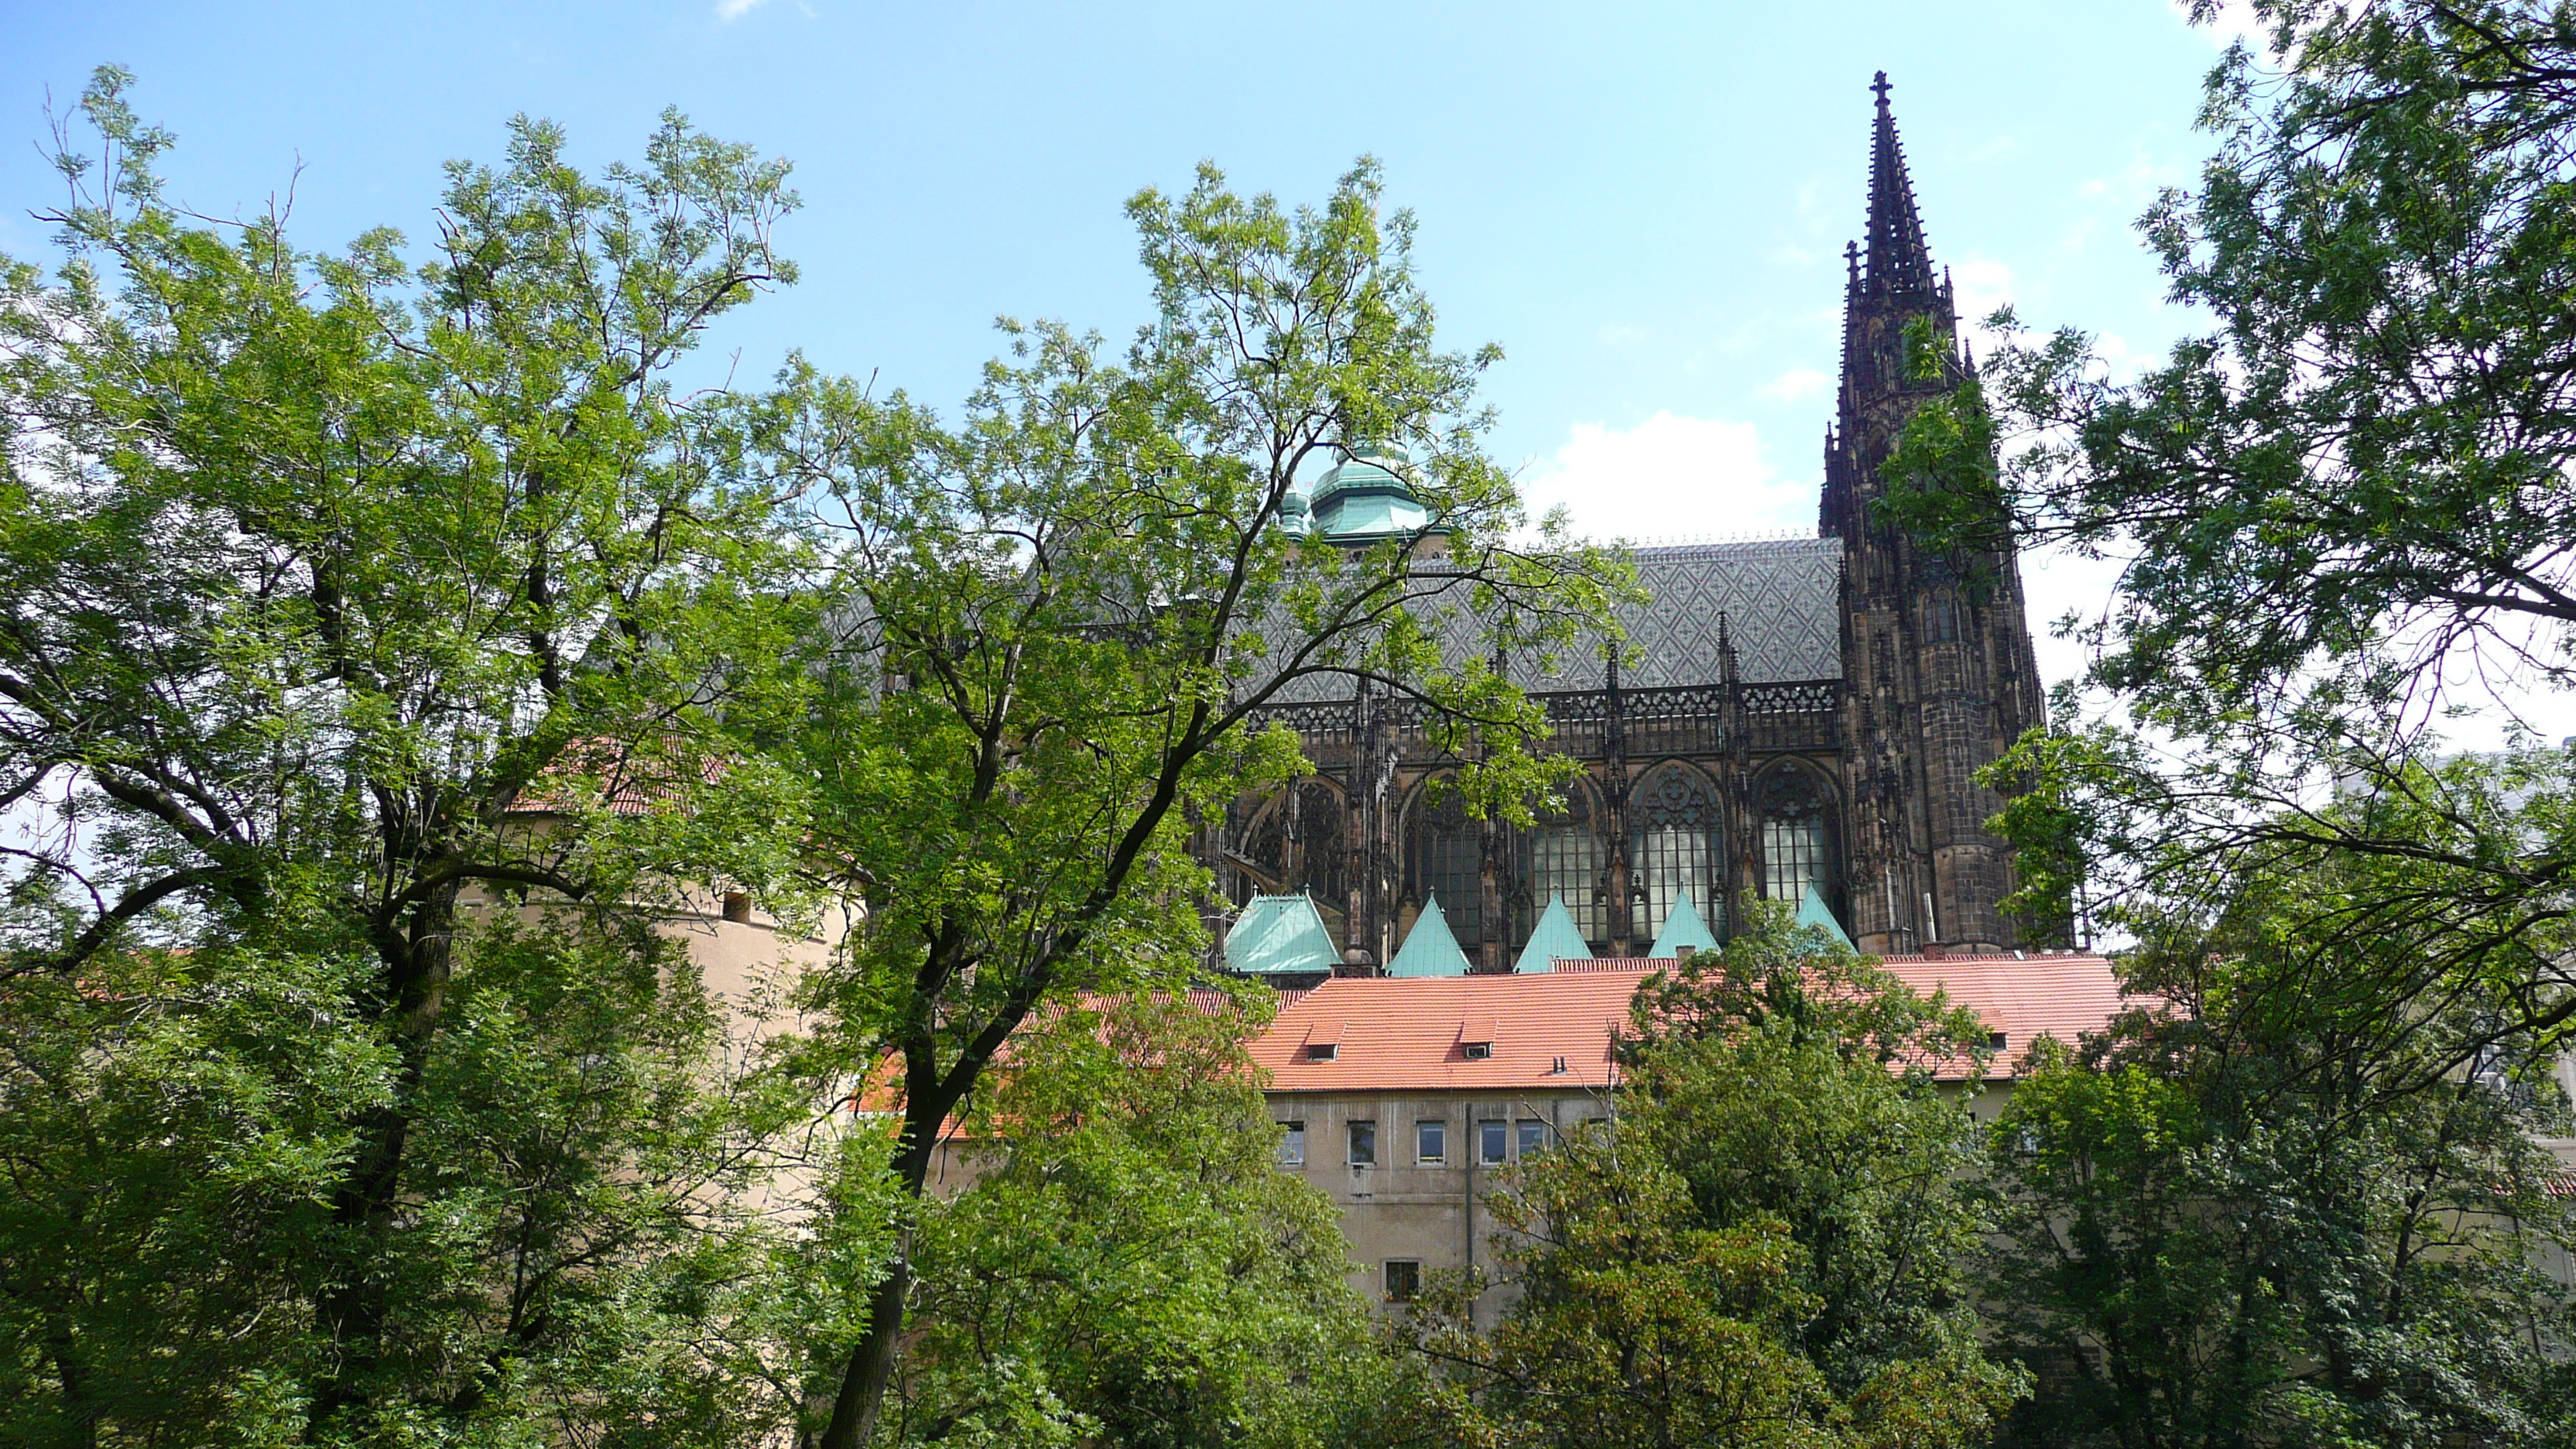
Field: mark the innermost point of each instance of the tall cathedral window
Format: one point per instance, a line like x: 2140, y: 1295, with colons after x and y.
x: 1322, y: 852
x: 1448, y: 861
x: 1795, y: 850
x: 1562, y: 856
x: 1296, y: 845
x: 1673, y: 846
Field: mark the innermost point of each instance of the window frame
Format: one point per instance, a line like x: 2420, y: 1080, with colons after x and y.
x: 1490, y: 1129
x: 1676, y: 842
x: 1353, y: 1134
x: 1434, y: 1132
x: 1530, y: 1136
x: 1292, y: 1142
x: 1411, y: 1278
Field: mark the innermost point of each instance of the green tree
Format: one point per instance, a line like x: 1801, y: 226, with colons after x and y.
x: 2193, y: 1254
x: 2340, y: 505
x: 317, y: 575
x: 1130, y: 1265
x: 1766, y: 1245
x: 1064, y: 616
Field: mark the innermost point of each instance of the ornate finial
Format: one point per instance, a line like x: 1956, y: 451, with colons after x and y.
x: 1898, y: 260
x: 1851, y: 261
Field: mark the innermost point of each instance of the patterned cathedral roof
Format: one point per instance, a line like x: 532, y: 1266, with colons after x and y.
x: 1780, y: 600
x: 1777, y: 601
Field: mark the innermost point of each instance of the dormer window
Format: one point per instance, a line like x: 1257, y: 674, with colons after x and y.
x: 1476, y: 1038
x: 1323, y: 1043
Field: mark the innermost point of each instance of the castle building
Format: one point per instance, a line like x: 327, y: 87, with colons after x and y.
x: 1788, y: 719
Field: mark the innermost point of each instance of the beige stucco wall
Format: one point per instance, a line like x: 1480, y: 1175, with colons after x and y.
x: 1404, y: 1210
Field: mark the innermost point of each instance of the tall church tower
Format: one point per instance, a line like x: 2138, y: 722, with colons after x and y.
x: 1938, y: 675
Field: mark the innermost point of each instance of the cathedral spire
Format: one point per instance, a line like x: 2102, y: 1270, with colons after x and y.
x: 1897, y: 259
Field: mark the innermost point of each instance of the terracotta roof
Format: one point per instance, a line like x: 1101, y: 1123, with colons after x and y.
x: 628, y: 784
x: 1410, y: 1031
x: 2063, y: 995
x: 1400, y: 1032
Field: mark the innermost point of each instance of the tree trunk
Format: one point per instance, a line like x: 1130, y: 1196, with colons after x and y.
x: 871, y: 1367
x: 418, y: 962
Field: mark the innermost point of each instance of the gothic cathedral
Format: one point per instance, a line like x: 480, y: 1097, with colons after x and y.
x: 1798, y: 720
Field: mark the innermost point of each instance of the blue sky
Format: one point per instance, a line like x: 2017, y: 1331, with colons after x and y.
x: 1644, y: 204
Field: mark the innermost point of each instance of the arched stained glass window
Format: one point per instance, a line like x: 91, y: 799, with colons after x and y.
x: 1265, y: 846
x: 1447, y: 860
x: 1797, y: 835
x: 1562, y: 855
x: 1674, y: 845
x: 1322, y: 852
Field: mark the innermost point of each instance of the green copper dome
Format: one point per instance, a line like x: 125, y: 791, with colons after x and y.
x: 1365, y: 498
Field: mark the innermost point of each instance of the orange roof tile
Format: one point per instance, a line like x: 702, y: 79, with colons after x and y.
x: 1411, y: 1032
x: 2060, y: 994
x: 1407, y: 1031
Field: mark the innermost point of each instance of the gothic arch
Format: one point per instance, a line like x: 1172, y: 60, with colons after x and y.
x: 1563, y: 855
x: 1264, y: 848
x: 1797, y: 833
x: 1296, y: 843
x: 1676, y: 842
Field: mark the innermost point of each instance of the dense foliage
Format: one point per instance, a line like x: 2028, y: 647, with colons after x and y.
x: 1765, y: 1244
x: 1130, y: 1266
x: 316, y: 574
x: 2311, y: 1211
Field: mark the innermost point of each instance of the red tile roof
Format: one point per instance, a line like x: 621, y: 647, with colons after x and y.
x: 1410, y: 1032
x: 2064, y: 995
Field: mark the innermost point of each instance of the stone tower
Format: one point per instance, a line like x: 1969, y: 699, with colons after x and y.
x: 1938, y: 676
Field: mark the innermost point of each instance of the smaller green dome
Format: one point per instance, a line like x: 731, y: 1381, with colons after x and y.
x: 1365, y: 497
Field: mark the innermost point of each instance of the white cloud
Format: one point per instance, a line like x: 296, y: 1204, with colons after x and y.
x: 1671, y: 476
x: 1620, y: 335
x: 1796, y: 383
x: 731, y: 10
x: 1983, y: 284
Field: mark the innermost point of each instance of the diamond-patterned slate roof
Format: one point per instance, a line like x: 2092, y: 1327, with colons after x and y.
x: 1780, y: 598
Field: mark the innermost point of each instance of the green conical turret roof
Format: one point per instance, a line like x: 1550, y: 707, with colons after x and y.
x: 1279, y: 933
x: 1430, y: 949
x: 1556, y: 939
x: 1682, y: 927
x: 1812, y: 911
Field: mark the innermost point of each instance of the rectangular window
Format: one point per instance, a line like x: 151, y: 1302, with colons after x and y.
x: 1533, y: 1138
x: 1363, y: 1144
x: 1491, y: 1140
x: 1403, y: 1280
x: 1793, y: 856
x: 1565, y: 861
x: 1669, y: 860
x: 1453, y: 873
x: 1431, y: 1143
x: 1292, y: 1145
